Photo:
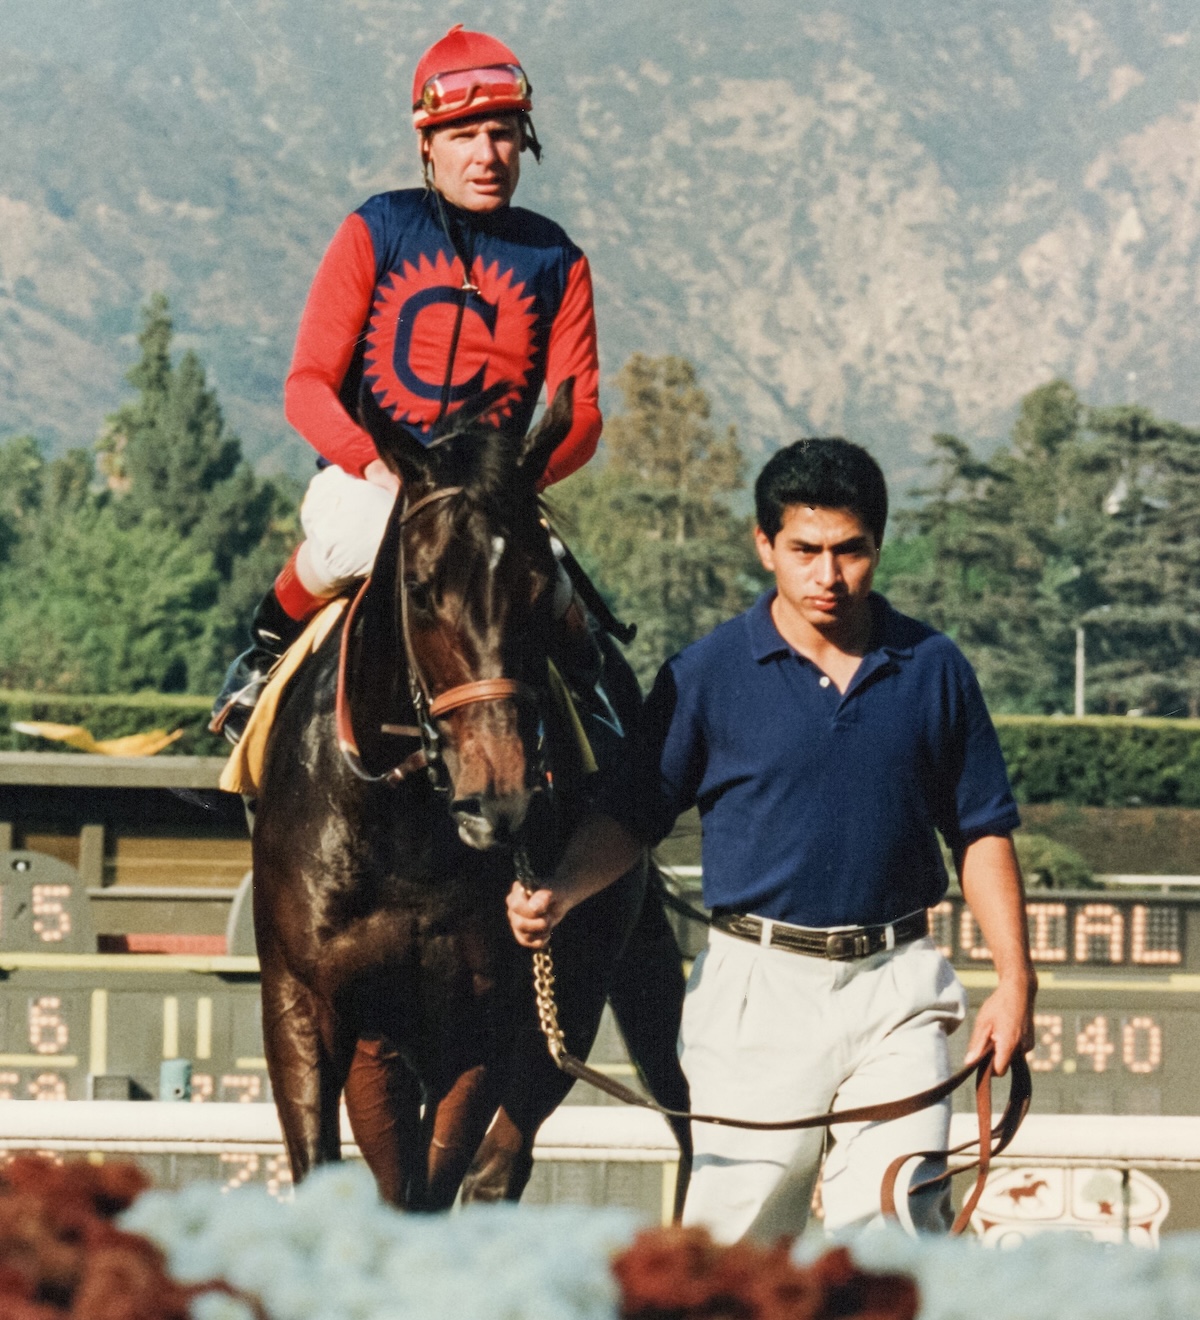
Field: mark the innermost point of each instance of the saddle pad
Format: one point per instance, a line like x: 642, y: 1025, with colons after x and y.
x: 243, y: 770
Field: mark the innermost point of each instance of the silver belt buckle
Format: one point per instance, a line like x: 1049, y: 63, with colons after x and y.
x: 840, y: 946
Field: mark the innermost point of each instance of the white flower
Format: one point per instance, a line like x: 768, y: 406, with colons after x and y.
x: 337, y: 1253
x: 1052, y: 1276
x: 219, y: 1306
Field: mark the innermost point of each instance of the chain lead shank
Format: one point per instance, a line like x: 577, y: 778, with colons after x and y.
x: 543, y: 973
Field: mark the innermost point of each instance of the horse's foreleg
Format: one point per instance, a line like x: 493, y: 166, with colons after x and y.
x: 383, y: 1102
x: 646, y: 996
x: 503, y: 1163
x: 460, y: 1120
x: 305, y: 1075
x: 584, y: 949
x: 535, y: 1087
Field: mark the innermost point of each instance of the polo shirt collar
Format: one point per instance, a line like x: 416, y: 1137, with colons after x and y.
x: 887, y: 633
x: 765, y: 638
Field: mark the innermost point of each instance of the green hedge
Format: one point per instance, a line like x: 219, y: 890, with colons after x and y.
x: 1098, y: 761
x: 110, y: 717
x: 1102, y: 761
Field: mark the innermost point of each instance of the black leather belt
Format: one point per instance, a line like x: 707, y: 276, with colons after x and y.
x: 842, y: 945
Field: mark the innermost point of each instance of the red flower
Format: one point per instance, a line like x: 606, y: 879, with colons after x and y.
x: 681, y: 1274
x: 62, y: 1257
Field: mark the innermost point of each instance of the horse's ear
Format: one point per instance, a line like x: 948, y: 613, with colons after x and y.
x: 550, y: 432
x: 398, y: 447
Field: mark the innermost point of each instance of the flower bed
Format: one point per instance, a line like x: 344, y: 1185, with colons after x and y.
x: 61, y: 1254
x: 336, y: 1253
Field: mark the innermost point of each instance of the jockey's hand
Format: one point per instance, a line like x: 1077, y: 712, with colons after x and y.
x: 533, y: 914
x: 379, y: 474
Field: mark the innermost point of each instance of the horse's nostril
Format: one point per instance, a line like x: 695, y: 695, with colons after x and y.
x: 470, y: 806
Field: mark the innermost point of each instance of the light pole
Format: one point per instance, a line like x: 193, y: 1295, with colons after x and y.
x: 1080, y: 667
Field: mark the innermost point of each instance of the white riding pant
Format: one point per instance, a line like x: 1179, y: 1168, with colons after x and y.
x: 768, y: 1034
x: 344, y: 519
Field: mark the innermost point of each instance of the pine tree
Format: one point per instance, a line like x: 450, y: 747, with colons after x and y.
x: 168, y: 449
x: 1091, y: 518
x: 95, y: 604
x: 21, y: 467
x: 1144, y: 639
x: 654, y: 520
x: 137, y: 568
x: 1007, y: 564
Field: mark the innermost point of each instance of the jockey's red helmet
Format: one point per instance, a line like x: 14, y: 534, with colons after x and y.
x: 468, y: 74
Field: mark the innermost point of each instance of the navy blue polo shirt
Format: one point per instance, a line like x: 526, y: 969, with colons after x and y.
x: 818, y: 807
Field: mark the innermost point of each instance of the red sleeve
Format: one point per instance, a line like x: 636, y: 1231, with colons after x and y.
x: 572, y: 352
x: 334, y: 315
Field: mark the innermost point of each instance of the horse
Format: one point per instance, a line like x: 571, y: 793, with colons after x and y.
x: 389, y: 974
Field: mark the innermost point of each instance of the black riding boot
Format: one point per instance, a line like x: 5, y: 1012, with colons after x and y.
x: 272, y: 631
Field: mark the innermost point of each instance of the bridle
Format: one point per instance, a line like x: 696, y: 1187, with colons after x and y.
x: 427, y: 710
x: 462, y: 694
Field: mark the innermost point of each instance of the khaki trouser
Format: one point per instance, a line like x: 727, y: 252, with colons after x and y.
x: 770, y: 1035
x: 344, y: 519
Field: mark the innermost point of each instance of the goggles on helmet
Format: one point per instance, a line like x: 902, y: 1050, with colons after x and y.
x: 462, y: 92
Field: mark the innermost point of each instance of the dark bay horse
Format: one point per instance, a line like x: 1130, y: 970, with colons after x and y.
x: 389, y: 974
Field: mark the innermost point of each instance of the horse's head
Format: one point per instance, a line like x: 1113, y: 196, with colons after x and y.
x: 475, y: 577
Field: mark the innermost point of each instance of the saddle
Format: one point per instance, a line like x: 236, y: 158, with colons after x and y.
x: 243, y: 771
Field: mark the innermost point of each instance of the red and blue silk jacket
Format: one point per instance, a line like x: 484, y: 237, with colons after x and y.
x: 384, y: 304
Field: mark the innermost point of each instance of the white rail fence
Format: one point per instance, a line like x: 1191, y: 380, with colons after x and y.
x: 572, y: 1133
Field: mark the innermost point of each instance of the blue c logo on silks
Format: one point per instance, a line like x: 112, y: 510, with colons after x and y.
x: 406, y: 323
x: 412, y: 321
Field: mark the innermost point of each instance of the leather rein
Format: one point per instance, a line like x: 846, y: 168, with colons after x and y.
x: 426, y: 709
x: 991, y: 1140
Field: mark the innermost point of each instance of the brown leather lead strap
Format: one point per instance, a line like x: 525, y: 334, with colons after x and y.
x: 991, y: 1141
x: 983, y: 1111
x: 909, y: 1104
x: 547, y: 1009
x: 1020, y: 1091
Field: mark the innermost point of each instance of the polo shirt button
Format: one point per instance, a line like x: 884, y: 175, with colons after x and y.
x: 825, y: 680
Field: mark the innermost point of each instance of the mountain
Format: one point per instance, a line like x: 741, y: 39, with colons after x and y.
x: 879, y: 221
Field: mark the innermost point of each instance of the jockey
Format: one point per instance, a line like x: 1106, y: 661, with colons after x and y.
x: 430, y: 296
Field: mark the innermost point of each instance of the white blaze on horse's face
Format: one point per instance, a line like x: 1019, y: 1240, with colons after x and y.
x: 491, y: 579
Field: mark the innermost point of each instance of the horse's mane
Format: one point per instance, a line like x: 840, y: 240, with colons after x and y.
x: 485, y: 462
